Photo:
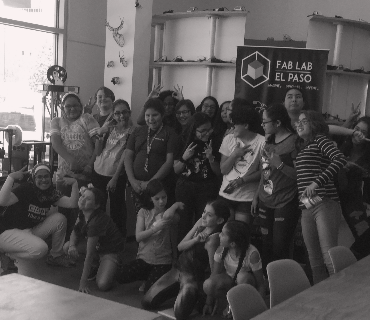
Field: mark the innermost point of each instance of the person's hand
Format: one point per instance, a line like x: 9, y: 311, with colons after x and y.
x: 72, y: 252
x: 68, y: 181
x: 177, y: 94
x: 210, y: 308
x: 355, y: 112
x: 143, y: 185
x: 274, y: 159
x: 358, y: 136
x: 180, y: 205
x: 136, y: 185
x: 236, y: 183
x: 189, y: 152
x: 240, y: 151
x: 254, y: 207
x: 111, y: 186
x: 84, y: 287
x: 90, y: 105
x: 208, y: 152
x: 161, y: 224
x: 19, y: 175
x: 155, y: 92
x: 202, y: 237
x: 310, y: 190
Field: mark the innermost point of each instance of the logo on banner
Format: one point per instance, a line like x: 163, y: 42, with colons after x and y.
x: 255, y: 69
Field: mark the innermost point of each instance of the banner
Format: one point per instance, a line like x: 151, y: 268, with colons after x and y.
x: 264, y: 74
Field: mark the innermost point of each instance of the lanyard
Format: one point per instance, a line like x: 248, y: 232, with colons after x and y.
x: 149, y: 147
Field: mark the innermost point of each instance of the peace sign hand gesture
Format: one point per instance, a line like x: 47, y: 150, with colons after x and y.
x: 90, y: 105
x: 189, y: 152
x: 177, y: 94
x: 155, y: 92
x: 208, y: 151
x: 355, y: 112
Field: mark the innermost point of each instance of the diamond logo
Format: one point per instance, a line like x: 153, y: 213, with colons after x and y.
x: 255, y: 69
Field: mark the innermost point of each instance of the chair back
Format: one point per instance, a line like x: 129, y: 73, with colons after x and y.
x: 286, y: 279
x: 341, y: 257
x: 245, y: 302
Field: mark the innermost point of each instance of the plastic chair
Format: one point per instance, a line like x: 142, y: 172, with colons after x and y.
x: 341, y: 258
x: 245, y: 302
x: 286, y: 278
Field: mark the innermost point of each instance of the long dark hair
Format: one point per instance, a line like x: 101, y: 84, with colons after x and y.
x: 278, y: 112
x: 244, y: 113
x: 222, y: 210
x: 220, y: 126
x: 199, y: 108
x: 154, y: 187
x: 239, y: 233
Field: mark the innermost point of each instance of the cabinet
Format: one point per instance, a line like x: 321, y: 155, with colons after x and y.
x: 349, y: 45
x: 197, y: 36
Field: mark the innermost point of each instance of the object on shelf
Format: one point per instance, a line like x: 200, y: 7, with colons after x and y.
x: 361, y: 70
x: 330, y: 67
x: 122, y: 58
x: 328, y: 116
x: 201, y: 59
x: 362, y: 20
x: 287, y: 37
x: 270, y: 39
x: 110, y: 64
x: 57, y: 75
x: 239, y: 8
x: 168, y: 11
x: 137, y: 4
x: 192, y: 9
x: 17, y: 134
x: 118, y: 37
x: 339, y: 17
x: 178, y: 59
x: 162, y: 59
x: 221, y: 9
x: 116, y: 80
x: 315, y: 13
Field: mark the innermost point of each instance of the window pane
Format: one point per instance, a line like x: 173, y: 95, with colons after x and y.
x: 34, y: 11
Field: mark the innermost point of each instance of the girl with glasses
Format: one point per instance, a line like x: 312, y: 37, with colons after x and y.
x: 184, y: 110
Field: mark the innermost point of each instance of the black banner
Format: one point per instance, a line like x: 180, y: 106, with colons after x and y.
x: 264, y: 74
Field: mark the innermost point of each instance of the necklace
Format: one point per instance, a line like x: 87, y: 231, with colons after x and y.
x: 149, y: 147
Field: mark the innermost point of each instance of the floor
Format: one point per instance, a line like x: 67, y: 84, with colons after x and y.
x: 126, y: 294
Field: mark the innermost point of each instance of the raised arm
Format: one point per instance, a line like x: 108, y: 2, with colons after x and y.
x: 72, y: 201
x: 7, y: 197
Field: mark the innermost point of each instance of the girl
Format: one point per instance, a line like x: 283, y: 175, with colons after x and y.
x: 103, y: 238
x: 209, y: 106
x: 109, y: 174
x: 153, y: 232
x: 240, y: 159
x: 225, y: 116
x: 318, y: 163
x: 194, y: 264
x: 236, y: 262
x: 199, y: 167
x: 184, y: 109
x: 277, y: 194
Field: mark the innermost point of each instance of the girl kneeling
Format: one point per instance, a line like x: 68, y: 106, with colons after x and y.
x: 236, y: 262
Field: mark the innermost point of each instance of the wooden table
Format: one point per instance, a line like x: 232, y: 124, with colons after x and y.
x: 24, y: 298
x: 345, y: 295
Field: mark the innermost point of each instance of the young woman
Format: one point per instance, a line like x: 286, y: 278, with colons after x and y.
x: 27, y: 221
x: 194, y: 264
x: 184, y: 109
x: 276, y: 200
x: 317, y: 164
x: 209, y: 106
x: 153, y: 232
x: 198, y: 165
x: 149, y: 154
x: 109, y: 174
x: 354, y: 187
x: 103, y: 238
x: 240, y: 159
x: 226, y: 110
x: 236, y: 262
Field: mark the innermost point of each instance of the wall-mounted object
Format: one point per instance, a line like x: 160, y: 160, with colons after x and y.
x: 137, y: 4
x: 110, y: 64
x: 118, y: 37
x: 116, y: 80
x: 122, y: 58
x: 57, y: 75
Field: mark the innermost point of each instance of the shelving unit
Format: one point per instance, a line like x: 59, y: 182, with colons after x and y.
x: 349, y: 45
x: 194, y: 35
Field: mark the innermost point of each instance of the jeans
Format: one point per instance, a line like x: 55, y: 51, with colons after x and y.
x: 320, y: 228
x: 29, y: 243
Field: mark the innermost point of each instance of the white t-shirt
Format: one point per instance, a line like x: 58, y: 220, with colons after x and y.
x: 247, y: 164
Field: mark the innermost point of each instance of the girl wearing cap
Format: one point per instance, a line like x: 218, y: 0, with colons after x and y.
x: 28, y: 220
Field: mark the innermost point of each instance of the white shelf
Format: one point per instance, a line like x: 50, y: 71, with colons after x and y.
x: 162, y: 18
x: 192, y: 64
x: 333, y: 20
x: 348, y: 74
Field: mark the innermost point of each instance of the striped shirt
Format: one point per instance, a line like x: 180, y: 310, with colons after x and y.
x: 319, y: 162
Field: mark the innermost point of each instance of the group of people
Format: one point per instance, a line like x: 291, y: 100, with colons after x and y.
x: 199, y: 178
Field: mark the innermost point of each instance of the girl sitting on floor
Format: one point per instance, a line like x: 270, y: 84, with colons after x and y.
x: 154, y: 228
x: 236, y: 262
x: 103, y: 238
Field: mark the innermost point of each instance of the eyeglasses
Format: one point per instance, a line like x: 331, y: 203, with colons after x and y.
x: 75, y: 106
x: 123, y: 112
x: 44, y: 177
x: 303, y: 122
x: 206, y: 106
x: 229, y: 109
x: 265, y: 122
x: 182, y: 113
x: 205, y: 131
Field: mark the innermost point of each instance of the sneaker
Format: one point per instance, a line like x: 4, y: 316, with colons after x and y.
x: 61, y: 261
x: 93, y: 273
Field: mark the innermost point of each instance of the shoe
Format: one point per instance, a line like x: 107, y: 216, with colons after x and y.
x: 61, y: 261
x: 93, y: 273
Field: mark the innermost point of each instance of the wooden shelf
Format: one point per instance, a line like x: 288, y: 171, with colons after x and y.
x: 192, y: 64
x: 162, y: 18
x: 348, y: 73
x: 355, y: 23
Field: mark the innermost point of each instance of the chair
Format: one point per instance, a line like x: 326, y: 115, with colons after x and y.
x: 341, y: 257
x: 286, y: 278
x: 245, y: 302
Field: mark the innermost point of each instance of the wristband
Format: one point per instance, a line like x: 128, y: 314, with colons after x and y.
x: 281, y: 166
x: 182, y: 160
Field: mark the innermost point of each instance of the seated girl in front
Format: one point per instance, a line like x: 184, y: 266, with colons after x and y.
x: 103, y: 238
x: 154, y: 228
x: 236, y: 262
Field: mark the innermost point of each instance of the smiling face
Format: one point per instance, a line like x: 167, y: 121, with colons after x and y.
x: 303, y: 127
x: 294, y: 101
x: 104, y: 102
x: 183, y: 115
x: 42, y: 179
x: 87, y: 201
x: 224, y: 112
x: 153, y: 119
x: 72, y: 108
x: 160, y: 200
x: 209, y: 108
x: 203, y: 132
x: 122, y: 114
x: 363, y: 128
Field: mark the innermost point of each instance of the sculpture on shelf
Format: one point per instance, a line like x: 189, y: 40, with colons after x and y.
x: 57, y: 75
x: 116, y: 80
x: 118, y: 37
x: 122, y: 58
x: 110, y: 64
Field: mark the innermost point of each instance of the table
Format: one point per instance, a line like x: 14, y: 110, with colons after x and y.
x: 344, y: 295
x: 24, y: 298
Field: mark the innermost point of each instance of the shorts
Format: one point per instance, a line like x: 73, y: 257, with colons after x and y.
x: 243, y: 207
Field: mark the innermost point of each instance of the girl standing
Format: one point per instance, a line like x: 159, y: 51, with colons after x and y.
x: 317, y: 165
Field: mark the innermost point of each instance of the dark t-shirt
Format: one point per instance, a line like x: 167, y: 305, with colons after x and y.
x: 102, y: 226
x: 101, y: 119
x: 165, y: 142
x: 31, y: 208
